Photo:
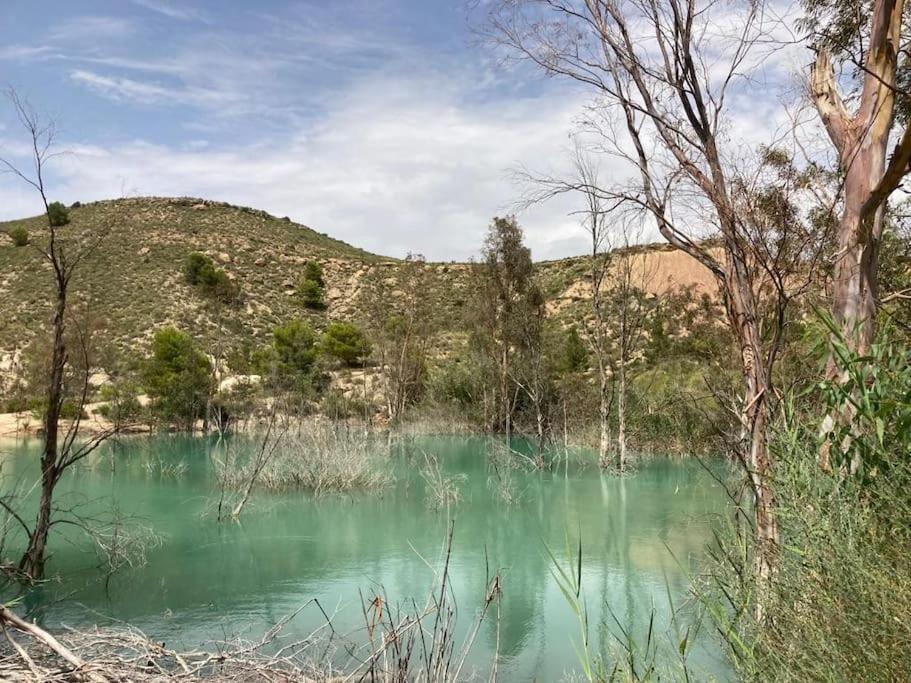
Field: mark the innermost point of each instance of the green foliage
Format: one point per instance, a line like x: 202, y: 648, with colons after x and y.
x: 121, y: 402
x: 836, y: 608
x: 200, y: 271
x: 69, y: 409
x: 338, y: 406
x: 15, y: 404
x: 19, y: 235
x: 178, y: 378
x: 346, y: 342
x: 573, y: 354
x: 314, y: 271
x: 290, y: 363
x: 295, y: 346
x: 895, y: 271
x: 312, y: 288
x: 194, y: 265
x: 868, y: 406
x: 58, y: 214
x: 508, y: 321
x: 456, y: 381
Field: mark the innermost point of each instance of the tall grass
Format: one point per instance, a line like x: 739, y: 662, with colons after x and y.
x: 621, y: 655
x: 838, y: 607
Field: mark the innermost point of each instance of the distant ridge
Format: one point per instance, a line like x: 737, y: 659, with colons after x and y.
x: 134, y: 284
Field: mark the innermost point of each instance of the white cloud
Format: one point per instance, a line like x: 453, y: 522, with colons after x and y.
x: 396, y: 166
x: 29, y: 53
x: 90, y: 29
x: 147, y: 92
x: 170, y: 10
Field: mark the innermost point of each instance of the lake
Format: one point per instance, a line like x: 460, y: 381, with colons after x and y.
x: 642, y: 536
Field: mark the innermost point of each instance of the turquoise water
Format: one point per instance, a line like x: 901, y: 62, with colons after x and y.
x: 641, y: 534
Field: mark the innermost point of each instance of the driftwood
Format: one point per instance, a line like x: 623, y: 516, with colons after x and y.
x: 79, y: 669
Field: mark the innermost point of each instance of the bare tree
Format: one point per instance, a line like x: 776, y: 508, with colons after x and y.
x: 595, y: 222
x: 267, y: 448
x: 619, y: 282
x: 533, y: 374
x: 874, y: 48
x: 402, y: 323
x: 631, y: 277
x: 663, y: 91
x: 64, y: 253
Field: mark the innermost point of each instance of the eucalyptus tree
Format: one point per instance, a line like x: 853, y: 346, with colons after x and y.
x: 509, y: 315
x: 862, y: 118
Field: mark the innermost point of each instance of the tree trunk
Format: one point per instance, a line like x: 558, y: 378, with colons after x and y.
x: 603, y: 418
x: 754, y: 416
x: 861, y: 140
x: 854, y: 287
x: 504, y: 412
x: 764, y: 513
x: 32, y: 562
x: 621, y: 415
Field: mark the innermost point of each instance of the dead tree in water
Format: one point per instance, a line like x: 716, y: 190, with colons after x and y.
x: 595, y: 221
x: 64, y: 253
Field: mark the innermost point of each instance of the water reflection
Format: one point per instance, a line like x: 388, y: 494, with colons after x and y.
x: 210, y: 578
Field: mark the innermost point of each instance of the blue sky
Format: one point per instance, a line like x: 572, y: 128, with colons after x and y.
x: 384, y: 122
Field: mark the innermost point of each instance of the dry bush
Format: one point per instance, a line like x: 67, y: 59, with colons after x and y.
x: 442, y: 490
x: 320, y: 458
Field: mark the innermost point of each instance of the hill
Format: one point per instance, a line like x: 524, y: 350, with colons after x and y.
x: 133, y: 283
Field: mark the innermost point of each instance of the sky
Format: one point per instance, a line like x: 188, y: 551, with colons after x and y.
x: 385, y: 123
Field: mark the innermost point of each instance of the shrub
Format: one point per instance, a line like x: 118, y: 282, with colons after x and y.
x: 69, y: 409
x: 290, y: 363
x: 121, y: 403
x: 346, y: 342
x: 200, y: 271
x: 19, y: 235
x: 458, y: 382
x: 311, y: 288
x: 18, y: 404
x: 321, y: 459
x: 573, y: 354
x: 57, y: 214
x: 221, y: 287
x: 194, y: 265
x: 338, y: 406
x: 178, y: 378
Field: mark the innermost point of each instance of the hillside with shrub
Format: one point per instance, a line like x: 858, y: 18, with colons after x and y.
x: 259, y: 271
